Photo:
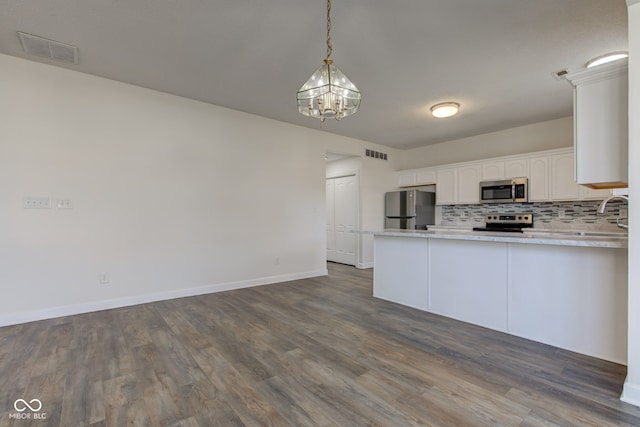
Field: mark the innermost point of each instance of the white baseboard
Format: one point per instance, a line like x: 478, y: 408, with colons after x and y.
x: 631, y: 393
x: 70, y: 310
x: 365, y: 265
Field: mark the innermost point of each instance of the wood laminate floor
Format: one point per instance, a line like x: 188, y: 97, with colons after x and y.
x: 314, y: 352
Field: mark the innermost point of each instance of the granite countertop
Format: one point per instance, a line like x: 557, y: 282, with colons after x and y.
x: 529, y: 236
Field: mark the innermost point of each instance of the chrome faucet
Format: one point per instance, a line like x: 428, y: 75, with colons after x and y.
x: 603, y: 206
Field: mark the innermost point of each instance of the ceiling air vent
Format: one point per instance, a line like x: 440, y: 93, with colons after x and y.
x: 560, y: 74
x: 48, y: 48
x: 375, y: 154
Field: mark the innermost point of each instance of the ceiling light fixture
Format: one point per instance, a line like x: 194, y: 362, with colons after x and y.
x: 328, y: 92
x: 604, y: 59
x: 445, y: 109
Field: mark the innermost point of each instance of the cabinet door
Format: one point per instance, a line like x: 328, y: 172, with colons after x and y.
x: 601, y: 124
x: 402, y: 270
x: 516, y: 168
x: 461, y: 286
x: 446, y: 186
x: 587, y: 193
x: 493, y: 170
x: 539, y: 179
x: 426, y: 177
x: 469, y: 184
x: 563, y: 184
x: 406, y: 179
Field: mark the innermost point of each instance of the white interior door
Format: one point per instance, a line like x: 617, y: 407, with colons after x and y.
x: 345, y: 220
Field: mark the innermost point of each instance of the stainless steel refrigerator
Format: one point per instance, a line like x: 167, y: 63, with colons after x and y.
x: 409, y: 209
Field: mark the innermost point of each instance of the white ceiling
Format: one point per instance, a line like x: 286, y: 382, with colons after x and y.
x: 495, y: 57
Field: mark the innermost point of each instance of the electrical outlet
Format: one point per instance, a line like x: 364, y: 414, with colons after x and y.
x: 65, y: 204
x: 277, y: 260
x: 104, y: 278
x: 36, y: 203
x: 561, y: 213
x: 623, y: 213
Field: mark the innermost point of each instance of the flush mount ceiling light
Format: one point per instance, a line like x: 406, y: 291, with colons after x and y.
x: 328, y: 92
x: 604, y: 59
x: 445, y: 109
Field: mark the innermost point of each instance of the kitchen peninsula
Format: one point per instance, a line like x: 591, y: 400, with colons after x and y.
x: 564, y: 289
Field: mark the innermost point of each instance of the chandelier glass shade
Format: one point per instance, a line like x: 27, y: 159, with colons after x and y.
x: 328, y: 92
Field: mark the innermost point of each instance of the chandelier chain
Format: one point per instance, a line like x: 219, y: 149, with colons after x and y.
x: 328, y: 92
x: 329, y: 47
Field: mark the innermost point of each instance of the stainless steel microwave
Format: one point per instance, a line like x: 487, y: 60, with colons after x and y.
x: 512, y: 190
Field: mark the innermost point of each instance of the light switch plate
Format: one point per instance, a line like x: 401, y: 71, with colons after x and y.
x: 65, y: 204
x: 36, y: 203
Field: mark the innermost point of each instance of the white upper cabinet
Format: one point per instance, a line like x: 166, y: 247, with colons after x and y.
x: 601, y: 130
x: 469, y: 184
x: 416, y: 177
x: 587, y: 193
x: 406, y: 179
x: 492, y: 170
x: 563, y: 186
x: 539, y: 179
x: 446, y: 186
x: 516, y: 168
x: 550, y: 175
x: 426, y: 177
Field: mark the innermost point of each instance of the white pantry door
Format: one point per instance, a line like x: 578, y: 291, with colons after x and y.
x: 342, y: 218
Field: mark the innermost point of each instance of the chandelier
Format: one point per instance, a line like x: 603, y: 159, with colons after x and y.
x: 328, y: 92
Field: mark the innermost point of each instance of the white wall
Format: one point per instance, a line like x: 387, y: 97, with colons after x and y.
x: 171, y: 196
x: 631, y: 391
x: 519, y: 140
x: 344, y: 167
x: 376, y: 178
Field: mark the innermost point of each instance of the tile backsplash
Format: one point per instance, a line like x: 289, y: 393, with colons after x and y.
x: 558, y: 215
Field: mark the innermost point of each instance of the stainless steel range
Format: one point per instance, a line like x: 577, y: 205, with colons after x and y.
x: 510, y: 222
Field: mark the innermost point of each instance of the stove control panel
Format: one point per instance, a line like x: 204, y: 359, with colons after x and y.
x: 511, y: 219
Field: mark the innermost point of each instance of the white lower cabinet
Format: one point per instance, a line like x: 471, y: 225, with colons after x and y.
x: 578, y: 301
x: 401, y: 271
x: 455, y: 290
x: 573, y: 297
